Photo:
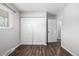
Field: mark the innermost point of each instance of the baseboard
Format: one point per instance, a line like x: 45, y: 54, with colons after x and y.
x: 67, y: 50
x: 11, y: 50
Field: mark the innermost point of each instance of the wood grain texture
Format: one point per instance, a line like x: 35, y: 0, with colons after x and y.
x: 52, y: 49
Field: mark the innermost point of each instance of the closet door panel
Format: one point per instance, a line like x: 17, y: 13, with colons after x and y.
x: 26, y: 31
x: 39, y: 31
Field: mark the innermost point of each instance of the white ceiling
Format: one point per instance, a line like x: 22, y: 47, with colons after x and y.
x: 53, y: 8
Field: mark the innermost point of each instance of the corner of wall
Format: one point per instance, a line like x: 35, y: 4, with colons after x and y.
x: 68, y: 50
x: 11, y: 50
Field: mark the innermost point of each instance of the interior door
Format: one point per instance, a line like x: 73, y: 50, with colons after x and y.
x: 33, y: 31
x: 52, y: 30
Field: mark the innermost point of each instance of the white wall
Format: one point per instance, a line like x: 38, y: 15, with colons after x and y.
x: 9, y: 37
x: 70, y: 28
x: 33, y: 14
x: 59, y: 25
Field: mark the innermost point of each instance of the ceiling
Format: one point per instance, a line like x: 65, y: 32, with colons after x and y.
x: 53, y: 8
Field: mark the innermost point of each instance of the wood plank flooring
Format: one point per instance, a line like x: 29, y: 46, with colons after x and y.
x: 52, y: 49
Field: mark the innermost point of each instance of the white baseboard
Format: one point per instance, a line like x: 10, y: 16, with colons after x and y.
x: 11, y: 50
x: 67, y: 50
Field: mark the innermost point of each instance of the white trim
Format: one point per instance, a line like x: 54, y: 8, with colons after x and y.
x: 68, y: 50
x: 11, y: 50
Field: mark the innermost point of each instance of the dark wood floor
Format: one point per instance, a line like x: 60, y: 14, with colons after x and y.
x: 52, y: 49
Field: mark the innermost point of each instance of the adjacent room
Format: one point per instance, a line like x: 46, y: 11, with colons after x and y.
x: 39, y: 29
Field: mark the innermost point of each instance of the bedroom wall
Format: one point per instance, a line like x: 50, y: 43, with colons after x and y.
x: 70, y: 28
x: 9, y: 37
x: 32, y: 14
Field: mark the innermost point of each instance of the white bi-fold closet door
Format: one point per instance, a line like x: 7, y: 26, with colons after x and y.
x: 33, y: 31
